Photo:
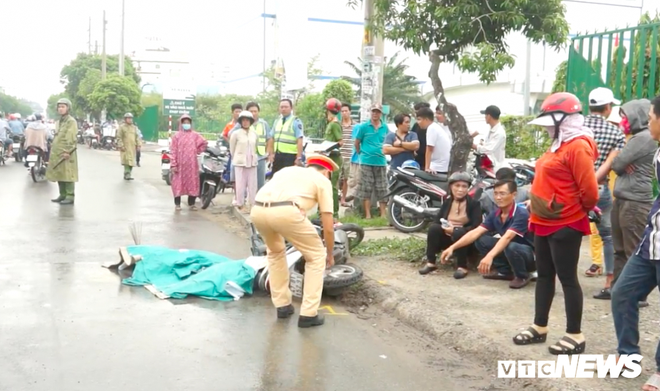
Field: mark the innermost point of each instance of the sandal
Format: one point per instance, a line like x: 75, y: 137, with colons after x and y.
x: 559, y: 348
x: 594, y: 270
x: 529, y: 336
x: 460, y: 273
x: 427, y: 269
x: 654, y: 381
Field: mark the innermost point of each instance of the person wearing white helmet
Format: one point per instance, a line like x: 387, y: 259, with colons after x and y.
x: 243, y: 149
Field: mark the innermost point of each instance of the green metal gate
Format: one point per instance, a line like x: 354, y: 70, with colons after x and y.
x: 148, y: 123
x: 607, y: 60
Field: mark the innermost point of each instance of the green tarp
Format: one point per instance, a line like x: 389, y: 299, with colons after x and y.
x: 180, y: 273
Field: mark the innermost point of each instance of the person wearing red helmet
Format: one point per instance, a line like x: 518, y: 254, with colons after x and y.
x: 563, y: 193
x: 334, y: 133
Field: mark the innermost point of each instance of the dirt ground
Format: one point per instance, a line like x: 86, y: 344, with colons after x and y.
x: 480, y: 317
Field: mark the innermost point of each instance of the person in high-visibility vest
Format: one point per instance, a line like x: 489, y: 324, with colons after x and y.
x: 264, y: 143
x: 287, y: 138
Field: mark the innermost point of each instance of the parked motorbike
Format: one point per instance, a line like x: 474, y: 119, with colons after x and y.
x: 415, y: 198
x: 336, y: 279
x: 165, y: 166
x: 109, y: 143
x: 36, y: 161
x: 211, y: 169
x: 524, y: 173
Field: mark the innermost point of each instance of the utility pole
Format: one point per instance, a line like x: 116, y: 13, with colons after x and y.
x: 89, y: 36
x: 373, y: 51
x: 121, y: 45
x: 528, y: 77
x: 263, y: 76
x: 103, y: 54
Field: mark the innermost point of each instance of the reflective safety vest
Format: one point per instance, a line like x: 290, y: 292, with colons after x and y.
x: 261, y: 141
x: 285, y: 136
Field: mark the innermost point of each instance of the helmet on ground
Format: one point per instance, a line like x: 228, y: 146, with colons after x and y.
x: 411, y: 164
x: 460, y: 176
x: 333, y: 105
x: 556, y: 108
x: 128, y: 115
x: 64, y: 101
x: 246, y: 114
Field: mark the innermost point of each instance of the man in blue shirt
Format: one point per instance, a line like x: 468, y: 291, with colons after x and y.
x: 509, y: 250
x: 402, y: 144
x: 16, y: 126
x: 373, y: 164
x: 641, y: 273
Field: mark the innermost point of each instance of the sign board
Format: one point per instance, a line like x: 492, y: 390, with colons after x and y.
x: 178, y: 100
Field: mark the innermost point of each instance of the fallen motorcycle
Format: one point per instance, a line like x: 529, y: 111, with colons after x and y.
x: 336, y: 279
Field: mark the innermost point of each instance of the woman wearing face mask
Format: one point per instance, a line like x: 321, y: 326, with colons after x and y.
x: 563, y: 193
x: 462, y: 214
x: 243, y: 149
x: 186, y: 144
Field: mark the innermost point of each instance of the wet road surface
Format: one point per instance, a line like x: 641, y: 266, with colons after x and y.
x: 67, y: 324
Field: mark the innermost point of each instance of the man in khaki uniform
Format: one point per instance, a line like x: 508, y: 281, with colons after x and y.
x: 279, y: 213
x: 63, y: 167
x: 128, y: 143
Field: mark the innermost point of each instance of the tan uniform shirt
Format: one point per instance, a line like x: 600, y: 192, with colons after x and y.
x: 304, y: 186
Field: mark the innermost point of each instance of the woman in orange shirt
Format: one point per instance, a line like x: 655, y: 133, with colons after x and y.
x: 563, y: 193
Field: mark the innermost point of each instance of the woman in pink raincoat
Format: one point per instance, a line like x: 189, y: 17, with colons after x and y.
x: 185, y: 146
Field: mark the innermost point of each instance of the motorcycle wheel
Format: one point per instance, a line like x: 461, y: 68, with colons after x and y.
x: 207, y: 196
x: 34, y: 173
x: 355, y: 234
x: 18, y: 156
x: 395, y: 211
x: 168, y: 179
x: 340, y: 278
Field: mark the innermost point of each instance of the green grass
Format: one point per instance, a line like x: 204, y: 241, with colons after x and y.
x: 411, y: 249
x: 365, y: 223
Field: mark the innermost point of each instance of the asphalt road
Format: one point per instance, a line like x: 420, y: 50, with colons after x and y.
x: 68, y: 324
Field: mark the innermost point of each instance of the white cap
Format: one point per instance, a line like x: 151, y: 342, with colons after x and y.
x: 602, y: 96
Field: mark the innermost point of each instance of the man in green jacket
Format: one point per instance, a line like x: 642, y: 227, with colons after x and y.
x: 128, y: 143
x: 63, y: 167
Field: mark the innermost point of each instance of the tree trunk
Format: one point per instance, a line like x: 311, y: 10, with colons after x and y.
x: 462, y: 141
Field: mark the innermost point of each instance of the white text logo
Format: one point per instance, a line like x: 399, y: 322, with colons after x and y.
x: 583, y: 366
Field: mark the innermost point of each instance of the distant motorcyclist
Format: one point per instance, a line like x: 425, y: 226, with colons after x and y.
x: 36, y: 135
x: 4, y: 135
x: 16, y: 126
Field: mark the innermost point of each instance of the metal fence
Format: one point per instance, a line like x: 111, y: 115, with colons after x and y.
x: 625, y: 60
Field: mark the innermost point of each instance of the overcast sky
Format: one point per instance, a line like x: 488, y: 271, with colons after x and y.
x: 45, y: 35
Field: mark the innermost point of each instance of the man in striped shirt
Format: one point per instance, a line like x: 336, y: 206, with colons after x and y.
x: 349, y: 168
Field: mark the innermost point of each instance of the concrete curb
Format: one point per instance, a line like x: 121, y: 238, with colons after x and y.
x: 453, y: 333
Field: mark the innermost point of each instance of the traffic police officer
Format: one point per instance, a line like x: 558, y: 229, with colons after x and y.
x: 279, y: 213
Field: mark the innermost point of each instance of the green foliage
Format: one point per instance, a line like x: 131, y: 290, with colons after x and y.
x: 410, y: 249
x: 117, y: 95
x: 524, y: 141
x: 559, y: 85
x: 310, y: 110
x: 375, y: 221
x: 11, y: 104
x: 470, y: 33
x: 400, y: 90
x: 83, y: 73
x: 339, y: 89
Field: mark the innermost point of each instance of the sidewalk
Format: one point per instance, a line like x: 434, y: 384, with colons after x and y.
x: 479, y: 318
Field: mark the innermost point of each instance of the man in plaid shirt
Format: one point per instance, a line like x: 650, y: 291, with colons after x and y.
x: 610, y: 140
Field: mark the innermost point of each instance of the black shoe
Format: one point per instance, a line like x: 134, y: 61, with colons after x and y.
x: 58, y: 199
x: 285, y: 312
x: 311, y: 321
x: 427, y: 269
x: 643, y: 304
x: 604, y: 294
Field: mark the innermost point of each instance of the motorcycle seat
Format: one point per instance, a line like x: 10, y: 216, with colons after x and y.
x: 214, y: 151
x: 439, y: 177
